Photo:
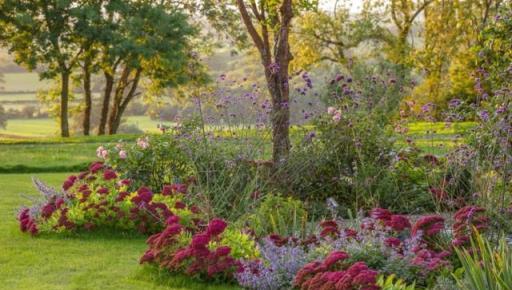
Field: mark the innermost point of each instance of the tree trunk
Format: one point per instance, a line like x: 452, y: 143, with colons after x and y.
x: 280, y: 90
x: 64, y: 100
x: 88, y: 97
x: 276, y: 73
x: 109, y: 84
x: 121, y: 104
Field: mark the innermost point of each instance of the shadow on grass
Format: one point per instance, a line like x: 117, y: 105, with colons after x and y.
x: 104, y: 234
x: 164, y: 278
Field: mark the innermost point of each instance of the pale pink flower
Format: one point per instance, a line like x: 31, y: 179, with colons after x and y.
x: 331, y: 110
x: 123, y: 154
x: 143, y: 142
x: 101, y: 152
x: 98, y: 151
x: 337, y: 117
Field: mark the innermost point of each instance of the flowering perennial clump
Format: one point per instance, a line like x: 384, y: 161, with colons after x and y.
x: 468, y: 219
x: 397, y: 223
x: 196, y: 257
x: 275, y: 268
x: 334, y: 273
x: 98, y: 197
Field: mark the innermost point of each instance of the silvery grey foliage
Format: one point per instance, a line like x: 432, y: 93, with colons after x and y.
x: 46, y: 190
x: 276, y: 269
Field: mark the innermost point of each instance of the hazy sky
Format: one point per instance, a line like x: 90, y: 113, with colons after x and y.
x: 355, y: 5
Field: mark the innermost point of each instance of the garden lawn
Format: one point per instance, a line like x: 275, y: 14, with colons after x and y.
x: 72, y: 261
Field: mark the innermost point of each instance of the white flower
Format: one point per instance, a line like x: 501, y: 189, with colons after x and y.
x: 331, y: 110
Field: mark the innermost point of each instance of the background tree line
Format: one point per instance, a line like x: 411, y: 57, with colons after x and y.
x: 140, y: 44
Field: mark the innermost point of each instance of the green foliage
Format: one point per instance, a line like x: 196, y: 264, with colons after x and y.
x: 495, y: 49
x: 285, y: 216
x: 389, y: 283
x: 226, y: 181
x: 354, y: 157
x: 242, y: 245
x: 485, y: 265
x: 152, y: 161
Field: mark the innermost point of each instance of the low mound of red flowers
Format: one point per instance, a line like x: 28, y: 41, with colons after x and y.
x: 196, y: 258
x: 334, y: 273
x: 98, y: 197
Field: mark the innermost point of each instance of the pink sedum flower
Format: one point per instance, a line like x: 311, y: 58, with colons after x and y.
x: 216, y: 227
x: 122, y: 154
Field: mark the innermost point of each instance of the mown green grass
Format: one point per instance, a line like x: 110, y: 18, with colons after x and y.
x: 52, y: 154
x: 55, y: 154
x: 436, y: 137
x: 72, y: 261
x: 45, y: 128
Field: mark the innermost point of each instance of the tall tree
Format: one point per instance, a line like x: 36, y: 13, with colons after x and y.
x: 273, y: 18
x: 331, y: 35
x: 41, y: 33
x: 144, y: 41
x: 268, y: 24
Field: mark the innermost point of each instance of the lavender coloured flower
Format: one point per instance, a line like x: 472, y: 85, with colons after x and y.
x: 276, y: 270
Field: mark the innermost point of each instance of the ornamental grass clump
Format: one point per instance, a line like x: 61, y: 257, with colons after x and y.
x: 485, y: 265
x: 99, y: 198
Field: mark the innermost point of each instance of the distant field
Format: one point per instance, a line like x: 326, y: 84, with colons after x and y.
x: 17, y: 97
x: 30, y: 128
x: 23, y: 82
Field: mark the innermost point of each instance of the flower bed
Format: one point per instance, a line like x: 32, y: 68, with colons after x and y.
x: 99, y: 198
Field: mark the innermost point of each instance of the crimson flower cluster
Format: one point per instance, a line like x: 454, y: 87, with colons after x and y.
x: 467, y: 220
x: 329, y: 228
x: 396, y: 222
x: 428, y: 226
x: 27, y: 222
x: 196, y: 258
x: 334, y: 273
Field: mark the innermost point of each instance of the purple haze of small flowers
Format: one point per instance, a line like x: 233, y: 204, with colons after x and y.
x: 484, y: 115
x: 454, y: 103
x: 277, y: 268
x: 274, y: 68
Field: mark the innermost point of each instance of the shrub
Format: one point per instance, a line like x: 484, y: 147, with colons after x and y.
x: 152, y: 161
x: 99, y: 198
x: 352, y: 156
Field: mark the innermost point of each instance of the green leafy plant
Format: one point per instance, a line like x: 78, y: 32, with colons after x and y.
x: 390, y: 283
x: 277, y: 214
x: 152, y: 160
x: 486, y: 266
